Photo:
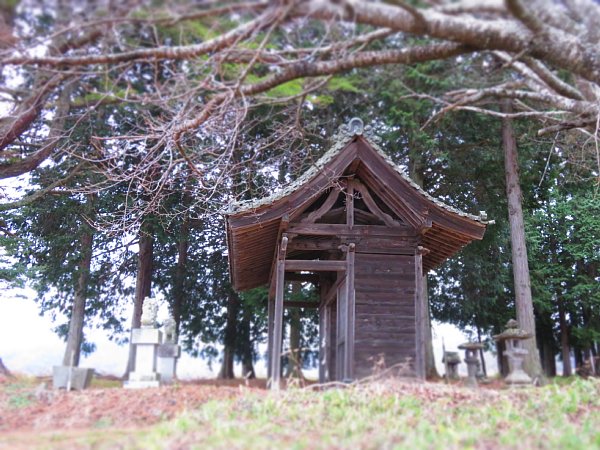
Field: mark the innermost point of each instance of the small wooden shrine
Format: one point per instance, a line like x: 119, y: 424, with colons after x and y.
x: 357, y: 226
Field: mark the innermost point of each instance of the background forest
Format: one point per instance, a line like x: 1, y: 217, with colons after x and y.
x: 128, y: 129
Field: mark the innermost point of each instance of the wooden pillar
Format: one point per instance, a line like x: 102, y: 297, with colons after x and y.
x: 420, y: 318
x: 278, y: 315
x: 350, y: 314
x: 270, y: 327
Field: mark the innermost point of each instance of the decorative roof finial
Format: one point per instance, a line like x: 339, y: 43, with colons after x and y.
x: 356, y: 126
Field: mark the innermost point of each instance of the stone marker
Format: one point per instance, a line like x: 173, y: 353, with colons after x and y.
x: 471, y: 358
x: 69, y: 377
x: 515, y: 354
x: 168, y: 353
x: 146, y: 340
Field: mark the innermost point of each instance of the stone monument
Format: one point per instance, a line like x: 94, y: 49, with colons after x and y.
x: 472, y: 360
x: 146, y: 340
x: 515, y: 354
x: 168, y: 353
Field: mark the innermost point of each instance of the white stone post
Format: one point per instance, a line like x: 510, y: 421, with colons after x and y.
x: 146, y: 339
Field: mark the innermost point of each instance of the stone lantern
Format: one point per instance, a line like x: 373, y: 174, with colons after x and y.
x: 515, y: 353
x: 451, y: 360
x: 472, y: 360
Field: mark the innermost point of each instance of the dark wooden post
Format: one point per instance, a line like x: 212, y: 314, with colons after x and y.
x: 420, y: 318
x: 270, y: 326
x: 350, y: 314
x: 278, y: 319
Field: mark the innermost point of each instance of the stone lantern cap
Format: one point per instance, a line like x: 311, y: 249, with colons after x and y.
x: 471, y: 346
x: 513, y: 332
x: 451, y: 358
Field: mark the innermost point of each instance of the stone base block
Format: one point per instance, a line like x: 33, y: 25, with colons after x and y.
x: 166, y: 369
x: 137, y: 376
x: 140, y: 384
x: 79, y: 377
x: 518, y: 378
x: 146, y: 336
x: 169, y: 351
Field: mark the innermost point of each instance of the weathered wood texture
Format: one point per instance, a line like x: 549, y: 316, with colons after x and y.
x: 385, y: 312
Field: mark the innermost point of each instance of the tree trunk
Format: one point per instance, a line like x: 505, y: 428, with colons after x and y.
x: 183, y: 244
x: 523, y: 300
x: 501, y: 357
x: 294, y: 368
x: 226, y: 371
x: 4, y: 371
x: 246, y: 344
x: 295, y: 359
x: 76, y: 321
x: 564, y: 340
x: 143, y: 284
x: 481, y: 355
x: 549, y: 362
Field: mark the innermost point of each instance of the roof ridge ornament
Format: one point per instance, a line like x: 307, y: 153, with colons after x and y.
x: 356, y: 126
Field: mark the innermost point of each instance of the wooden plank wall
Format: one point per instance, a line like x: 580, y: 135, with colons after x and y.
x: 385, y: 311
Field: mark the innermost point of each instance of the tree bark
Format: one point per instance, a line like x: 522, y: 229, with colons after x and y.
x: 4, y: 370
x: 143, y: 284
x: 481, y: 354
x: 226, y: 371
x: 564, y: 340
x: 246, y: 344
x: 76, y: 321
x: 183, y: 244
x: 294, y: 369
x: 548, y: 346
x: 523, y: 299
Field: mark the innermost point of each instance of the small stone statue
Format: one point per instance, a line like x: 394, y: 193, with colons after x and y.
x: 170, y: 335
x: 149, y: 312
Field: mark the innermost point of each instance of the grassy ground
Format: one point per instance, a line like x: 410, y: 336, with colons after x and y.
x: 388, y: 415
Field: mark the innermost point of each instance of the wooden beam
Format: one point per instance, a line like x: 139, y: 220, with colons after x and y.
x: 309, y: 244
x: 278, y: 321
x: 303, y: 277
x: 373, y: 207
x: 326, y: 206
x: 341, y: 230
x: 299, y: 304
x: 350, y: 314
x: 310, y: 265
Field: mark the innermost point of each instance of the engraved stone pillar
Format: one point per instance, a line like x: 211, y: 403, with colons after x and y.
x: 146, y: 339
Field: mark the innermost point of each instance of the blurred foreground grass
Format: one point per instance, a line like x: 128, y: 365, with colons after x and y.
x: 374, y: 416
x: 393, y: 415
